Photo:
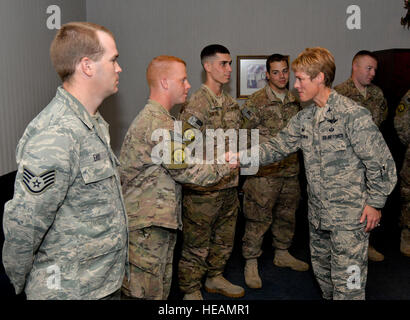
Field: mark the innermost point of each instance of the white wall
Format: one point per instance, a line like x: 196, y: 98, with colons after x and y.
x: 147, y: 28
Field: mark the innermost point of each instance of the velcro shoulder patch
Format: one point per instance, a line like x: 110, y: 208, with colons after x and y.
x: 400, y: 109
x: 189, y: 135
x: 248, y: 114
x: 178, y: 156
x: 37, y: 184
x: 195, y: 122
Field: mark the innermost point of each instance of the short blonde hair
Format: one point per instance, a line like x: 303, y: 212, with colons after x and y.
x: 312, y: 61
x: 160, y: 65
x: 74, y: 41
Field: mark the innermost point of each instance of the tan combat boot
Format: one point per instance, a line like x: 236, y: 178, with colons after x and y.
x: 374, y: 255
x: 284, y: 259
x: 252, y: 278
x: 222, y: 286
x: 405, y: 242
x: 196, y: 295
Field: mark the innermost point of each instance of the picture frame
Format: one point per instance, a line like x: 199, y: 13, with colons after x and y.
x: 250, y: 74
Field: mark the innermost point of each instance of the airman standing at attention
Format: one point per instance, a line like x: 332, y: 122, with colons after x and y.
x: 65, y: 229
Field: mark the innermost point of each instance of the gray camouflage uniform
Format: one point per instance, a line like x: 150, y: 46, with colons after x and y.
x: 152, y: 194
x: 271, y: 197
x: 348, y: 165
x: 66, y: 228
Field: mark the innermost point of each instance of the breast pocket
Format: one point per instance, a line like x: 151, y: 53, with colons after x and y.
x: 232, y: 117
x: 97, y: 167
x: 97, y: 172
x: 334, y: 157
x: 334, y: 144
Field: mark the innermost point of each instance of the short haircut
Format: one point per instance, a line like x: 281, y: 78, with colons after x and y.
x: 312, y: 61
x: 276, y: 57
x: 74, y: 41
x: 160, y: 65
x: 211, y: 51
x: 363, y: 53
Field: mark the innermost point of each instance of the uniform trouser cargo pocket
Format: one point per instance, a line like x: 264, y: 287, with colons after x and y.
x: 151, y: 253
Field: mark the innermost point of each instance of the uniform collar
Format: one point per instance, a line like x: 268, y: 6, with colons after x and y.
x: 81, y: 112
x: 218, y: 101
x: 352, y: 86
x: 329, y: 112
x: 76, y: 106
x: 289, y: 97
x: 159, y: 107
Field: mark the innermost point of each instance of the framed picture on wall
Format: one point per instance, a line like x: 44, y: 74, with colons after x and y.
x: 250, y: 75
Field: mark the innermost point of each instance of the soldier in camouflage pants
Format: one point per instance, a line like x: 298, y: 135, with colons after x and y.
x: 209, y: 215
x: 401, y: 123
x: 349, y: 170
x: 152, y: 185
x: 360, y: 89
x: 271, y: 198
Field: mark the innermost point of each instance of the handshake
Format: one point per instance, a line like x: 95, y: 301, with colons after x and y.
x: 233, y: 159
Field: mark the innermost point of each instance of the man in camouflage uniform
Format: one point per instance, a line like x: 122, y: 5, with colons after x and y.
x: 66, y: 228
x: 401, y: 123
x: 359, y: 88
x: 151, y: 188
x: 349, y: 170
x: 209, y: 214
x: 272, y: 196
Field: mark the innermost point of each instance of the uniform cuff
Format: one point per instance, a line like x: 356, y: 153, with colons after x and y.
x: 376, y: 203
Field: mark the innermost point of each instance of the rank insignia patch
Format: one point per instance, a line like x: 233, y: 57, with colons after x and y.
x: 36, y: 184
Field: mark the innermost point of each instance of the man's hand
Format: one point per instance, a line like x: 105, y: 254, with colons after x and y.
x: 372, y: 216
x: 232, y: 158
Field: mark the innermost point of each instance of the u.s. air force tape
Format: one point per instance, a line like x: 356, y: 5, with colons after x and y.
x: 247, y: 113
x: 195, y: 122
x: 36, y: 184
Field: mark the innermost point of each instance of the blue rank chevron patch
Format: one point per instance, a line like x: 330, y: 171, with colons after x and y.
x: 36, y: 184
